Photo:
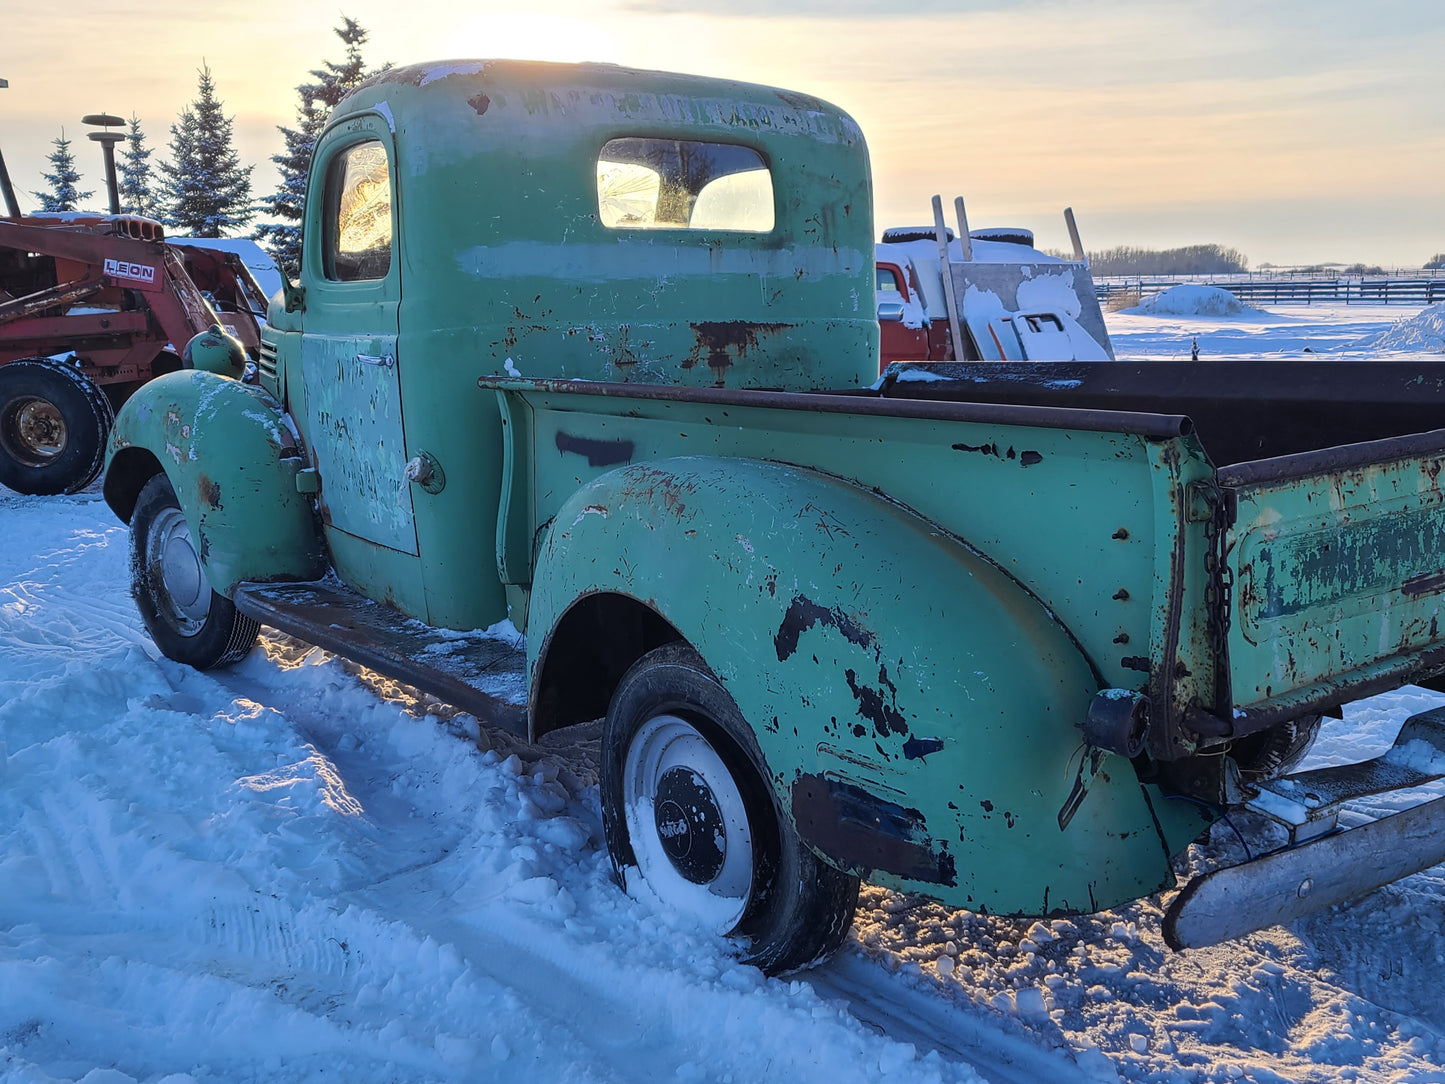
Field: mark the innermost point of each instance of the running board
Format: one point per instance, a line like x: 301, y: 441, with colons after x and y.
x: 474, y: 672
x: 1286, y: 885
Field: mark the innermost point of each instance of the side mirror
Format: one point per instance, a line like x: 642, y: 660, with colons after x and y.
x: 293, y: 295
x: 890, y: 312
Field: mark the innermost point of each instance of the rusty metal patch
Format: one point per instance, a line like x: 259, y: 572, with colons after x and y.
x: 722, y: 343
x: 803, y: 613
x: 864, y: 832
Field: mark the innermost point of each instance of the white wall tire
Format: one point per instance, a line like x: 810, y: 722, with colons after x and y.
x: 188, y: 620
x: 694, y: 828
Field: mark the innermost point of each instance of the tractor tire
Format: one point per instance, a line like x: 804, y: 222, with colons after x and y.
x: 54, y: 422
x: 693, y: 826
x: 189, y: 621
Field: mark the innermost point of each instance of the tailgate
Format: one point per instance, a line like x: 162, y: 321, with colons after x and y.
x: 1338, y: 561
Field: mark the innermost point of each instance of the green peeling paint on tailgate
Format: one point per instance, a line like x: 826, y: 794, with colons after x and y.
x: 1335, y: 574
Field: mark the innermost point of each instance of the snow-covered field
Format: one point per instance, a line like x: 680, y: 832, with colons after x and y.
x: 1348, y: 332
x: 295, y: 870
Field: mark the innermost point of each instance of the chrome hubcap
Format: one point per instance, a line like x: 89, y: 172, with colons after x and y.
x: 687, y: 823
x: 34, y: 431
x: 175, y: 565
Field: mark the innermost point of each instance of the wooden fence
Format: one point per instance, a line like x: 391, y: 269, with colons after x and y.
x: 1419, y: 291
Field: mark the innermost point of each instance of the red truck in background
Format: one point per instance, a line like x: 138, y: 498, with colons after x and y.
x: 92, y: 307
x: 989, y: 290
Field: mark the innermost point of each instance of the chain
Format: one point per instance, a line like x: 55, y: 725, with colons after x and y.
x: 1219, y: 588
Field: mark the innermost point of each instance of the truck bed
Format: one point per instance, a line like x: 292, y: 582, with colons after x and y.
x: 1242, y: 410
x: 1328, y: 472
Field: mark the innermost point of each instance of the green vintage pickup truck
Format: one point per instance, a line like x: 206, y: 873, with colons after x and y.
x: 594, y: 350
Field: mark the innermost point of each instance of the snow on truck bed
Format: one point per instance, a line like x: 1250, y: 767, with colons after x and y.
x: 295, y: 870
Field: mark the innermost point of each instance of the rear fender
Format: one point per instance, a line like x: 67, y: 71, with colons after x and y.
x: 231, y: 457
x: 916, y: 708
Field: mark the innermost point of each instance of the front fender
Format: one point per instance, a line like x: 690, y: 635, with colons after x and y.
x: 917, y: 709
x: 231, y: 458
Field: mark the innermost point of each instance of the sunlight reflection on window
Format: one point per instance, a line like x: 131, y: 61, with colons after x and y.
x: 654, y: 183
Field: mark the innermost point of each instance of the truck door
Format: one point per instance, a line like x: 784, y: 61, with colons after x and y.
x: 349, y: 356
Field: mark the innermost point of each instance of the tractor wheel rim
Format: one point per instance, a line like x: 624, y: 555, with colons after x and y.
x: 174, y: 559
x: 688, y: 823
x: 34, y: 431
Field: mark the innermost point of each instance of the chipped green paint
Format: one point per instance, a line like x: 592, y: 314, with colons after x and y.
x: 501, y: 240
x: 1336, y: 574
x: 916, y: 687
x: 911, y: 646
x: 1115, y: 496
x: 232, y: 461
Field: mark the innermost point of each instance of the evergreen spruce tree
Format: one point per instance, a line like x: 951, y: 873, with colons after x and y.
x: 333, y: 81
x: 64, y: 194
x: 205, y: 190
x: 136, y: 196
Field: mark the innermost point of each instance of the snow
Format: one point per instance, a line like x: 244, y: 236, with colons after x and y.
x: 1192, y: 299
x: 1346, y: 332
x: 1423, y: 332
x: 257, y: 260
x: 297, y: 870
x: 1050, y: 293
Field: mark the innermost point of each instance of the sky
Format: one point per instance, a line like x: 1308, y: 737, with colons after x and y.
x: 1295, y: 131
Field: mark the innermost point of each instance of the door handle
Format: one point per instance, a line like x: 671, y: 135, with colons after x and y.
x: 385, y: 361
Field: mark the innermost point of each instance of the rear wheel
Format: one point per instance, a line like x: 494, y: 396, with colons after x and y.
x: 54, y: 422
x: 692, y: 823
x: 188, y: 621
x: 1276, y: 751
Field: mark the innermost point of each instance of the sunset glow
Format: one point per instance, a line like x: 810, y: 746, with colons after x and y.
x: 1293, y: 132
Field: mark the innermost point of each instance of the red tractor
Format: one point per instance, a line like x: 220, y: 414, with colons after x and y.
x: 91, y: 307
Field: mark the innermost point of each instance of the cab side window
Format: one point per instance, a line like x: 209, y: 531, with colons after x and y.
x: 358, y: 214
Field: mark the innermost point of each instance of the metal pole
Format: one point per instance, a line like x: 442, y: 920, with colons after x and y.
x: 1074, y: 234
x: 945, y: 265
x: 108, y: 140
x: 11, y: 206
x: 5, y: 185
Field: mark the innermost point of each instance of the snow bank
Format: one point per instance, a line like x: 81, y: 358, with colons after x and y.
x: 1422, y: 333
x: 1189, y: 299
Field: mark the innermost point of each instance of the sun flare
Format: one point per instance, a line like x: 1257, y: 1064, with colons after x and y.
x: 537, y: 36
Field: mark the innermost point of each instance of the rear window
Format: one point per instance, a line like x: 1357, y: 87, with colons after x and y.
x: 647, y: 183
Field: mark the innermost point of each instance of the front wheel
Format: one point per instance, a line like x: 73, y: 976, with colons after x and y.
x: 189, y: 621
x: 693, y: 825
x: 54, y: 422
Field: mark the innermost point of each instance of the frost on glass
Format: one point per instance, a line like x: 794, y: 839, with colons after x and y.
x: 679, y: 184
x: 360, y: 224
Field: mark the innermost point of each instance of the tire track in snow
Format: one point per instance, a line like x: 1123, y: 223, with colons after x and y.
x: 930, y: 1023
x: 635, y: 1033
